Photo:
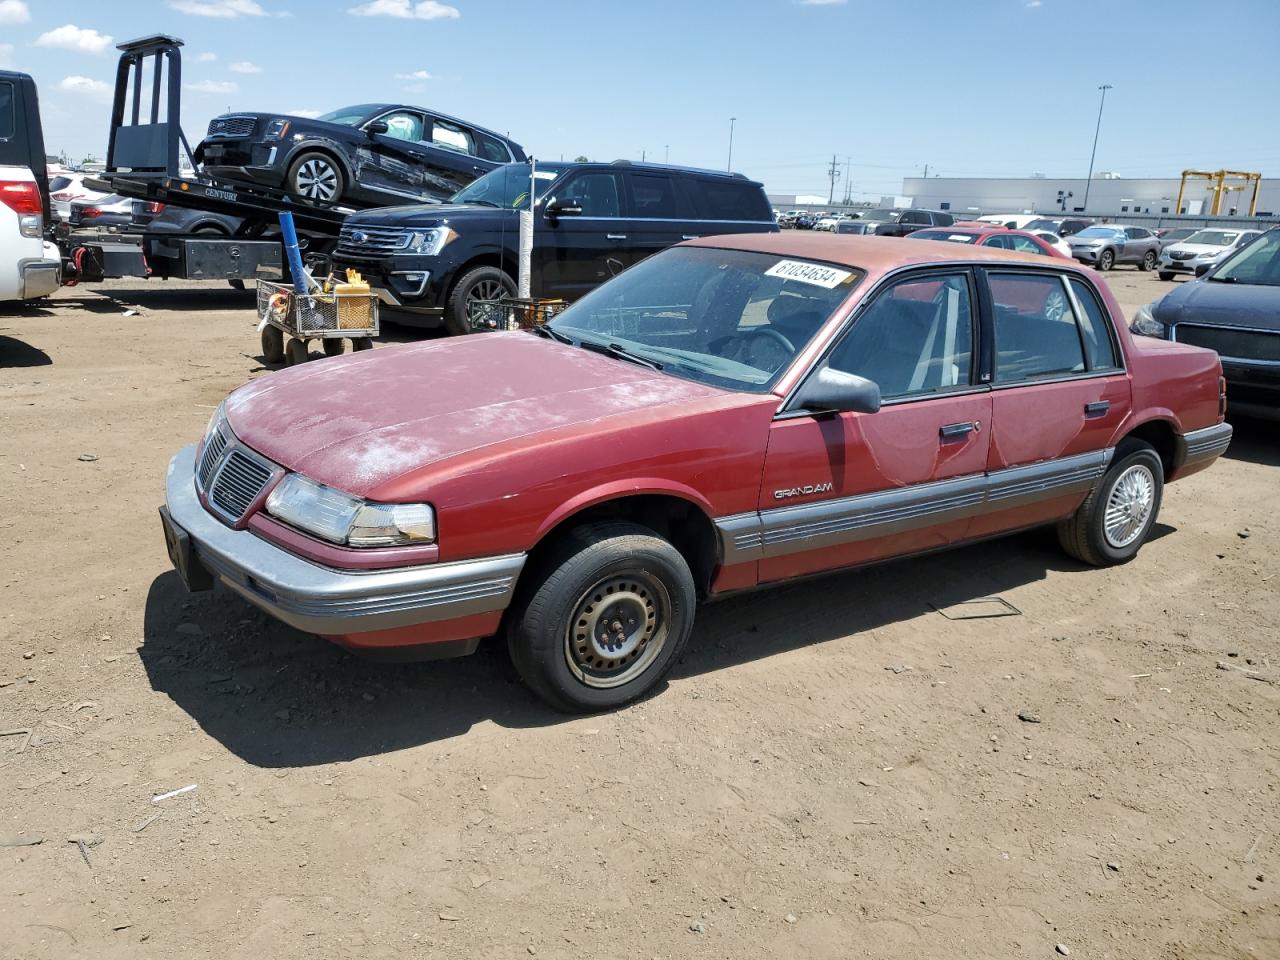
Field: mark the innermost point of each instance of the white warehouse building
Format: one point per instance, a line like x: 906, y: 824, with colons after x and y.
x: 1109, y: 195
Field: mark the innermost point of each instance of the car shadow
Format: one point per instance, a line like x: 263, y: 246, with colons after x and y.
x: 159, y: 295
x: 18, y: 353
x: 1254, y: 441
x: 280, y: 698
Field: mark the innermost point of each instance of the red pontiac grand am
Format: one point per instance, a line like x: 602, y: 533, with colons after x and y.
x: 730, y: 413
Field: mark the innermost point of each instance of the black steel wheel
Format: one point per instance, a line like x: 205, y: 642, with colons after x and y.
x: 272, y: 344
x: 295, y: 352
x: 361, y: 343
x: 333, y: 346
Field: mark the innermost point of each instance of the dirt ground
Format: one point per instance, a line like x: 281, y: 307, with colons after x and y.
x: 834, y: 770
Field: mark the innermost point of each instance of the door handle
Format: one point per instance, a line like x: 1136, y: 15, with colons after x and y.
x: 958, y: 431
x: 616, y: 236
x: 1098, y: 408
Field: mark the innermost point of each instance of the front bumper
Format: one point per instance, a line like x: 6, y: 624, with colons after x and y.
x: 1086, y: 254
x: 333, y: 602
x: 415, y: 283
x: 1182, y: 266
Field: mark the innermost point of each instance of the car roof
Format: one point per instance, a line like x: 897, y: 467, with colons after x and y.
x: 878, y: 254
x: 649, y: 168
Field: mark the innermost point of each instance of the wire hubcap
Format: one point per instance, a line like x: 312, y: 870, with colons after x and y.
x: 317, y: 179
x: 617, y: 630
x: 1129, y: 506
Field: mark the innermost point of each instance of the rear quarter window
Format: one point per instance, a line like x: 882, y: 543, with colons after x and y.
x: 653, y: 196
x: 727, y: 200
x: 6, y: 110
x: 491, y: 149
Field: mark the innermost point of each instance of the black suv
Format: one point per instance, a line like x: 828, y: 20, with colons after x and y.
x: 370, y: 154
x: 898, y: 223
x: 591, y: 221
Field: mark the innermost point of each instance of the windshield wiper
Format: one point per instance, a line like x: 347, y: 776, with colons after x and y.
x: 483, y: 203
x: 1222, y: 279
x: 546, y: 331
x: 620, y: 352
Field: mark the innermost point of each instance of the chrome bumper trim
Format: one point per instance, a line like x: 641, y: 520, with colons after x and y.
x: 321, y: 600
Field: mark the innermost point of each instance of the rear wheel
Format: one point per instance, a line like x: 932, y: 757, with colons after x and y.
x: 603, y: 618
x: 1148, y: 261
x: 1106, y: 260
x: 272, y: 344
x: 482, y: 283
x: 295, y: 352
x: 334, y: 346
x: 361, y: 343
x: 1114, y: 520
x: 315, y: 176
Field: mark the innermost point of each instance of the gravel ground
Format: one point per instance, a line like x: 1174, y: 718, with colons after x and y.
x: 834, y: 770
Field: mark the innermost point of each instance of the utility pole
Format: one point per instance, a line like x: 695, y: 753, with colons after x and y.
x: 642, y: 154
x: 729, y: 165
x: 926, y: 171
x: 848, y: 183
x: 834, y: 175
x: 666, y: 156
x: 1089, y: 181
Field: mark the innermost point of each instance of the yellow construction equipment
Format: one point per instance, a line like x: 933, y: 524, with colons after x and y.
x: 1219, y: 187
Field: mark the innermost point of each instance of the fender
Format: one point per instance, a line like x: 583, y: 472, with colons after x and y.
x: 332, y: 147
x: 1139, y: 418
x: 618, y: 490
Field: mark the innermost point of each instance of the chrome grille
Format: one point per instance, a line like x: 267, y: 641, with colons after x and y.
x: 1180, y: 255
x: 359, y: 240
x: 1231, y: 342
x: 238, y: 483
x: 230, y: 127
x: 213, y: 448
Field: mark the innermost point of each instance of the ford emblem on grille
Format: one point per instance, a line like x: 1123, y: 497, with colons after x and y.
x: 360, y: 236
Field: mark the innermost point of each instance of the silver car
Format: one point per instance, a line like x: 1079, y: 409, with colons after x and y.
x: 1203, y: 248
x: 1103, y: 245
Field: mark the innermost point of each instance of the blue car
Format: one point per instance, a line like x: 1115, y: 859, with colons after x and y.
x: 1234, y: 309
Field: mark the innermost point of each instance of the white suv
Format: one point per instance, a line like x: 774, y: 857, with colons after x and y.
x: 29, y: 267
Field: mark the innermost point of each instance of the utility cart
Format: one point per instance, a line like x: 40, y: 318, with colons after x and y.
x: 512, y: 313
x: 331, y: 317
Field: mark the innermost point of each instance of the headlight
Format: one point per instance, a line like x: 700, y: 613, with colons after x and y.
x: 429, y: 243
x: 343, y: 519
x: 1145, y: 323
x: 276, y: 129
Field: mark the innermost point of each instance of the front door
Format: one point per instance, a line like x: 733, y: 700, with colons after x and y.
x: 575, y: 254
x: 845, y: 489
x: 394, y: 165
x: 1059, y: 393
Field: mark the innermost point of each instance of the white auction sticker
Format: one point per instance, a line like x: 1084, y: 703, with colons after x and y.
x: 814, y: 273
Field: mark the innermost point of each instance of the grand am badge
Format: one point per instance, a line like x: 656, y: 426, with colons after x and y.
x: 804, y: 491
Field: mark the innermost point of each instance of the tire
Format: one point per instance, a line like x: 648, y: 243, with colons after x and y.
x: 651, y: 590
x: 1106, y: 260
x: 295, y: 352
x: 1165, y: 275
x: 316, y: 176
x: 1148, y: 261
x: 236, y: 283
x: 272, y: 344
x: 482, y: 283
x: 1088, y: 537
x: 333, y: 346
x: 361, y: 343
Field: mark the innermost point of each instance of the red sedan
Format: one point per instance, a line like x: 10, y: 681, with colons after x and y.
x: 989, y: 236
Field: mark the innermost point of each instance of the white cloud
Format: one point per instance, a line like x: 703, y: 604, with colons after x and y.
x: 1033, y: 3
x: 86, y: 86
x: 6, y: 56
x: 303, y: 113
x: 407, y: 10
x: 244, y: 66
x: 220, y: 9
x: 14, y: 11
x: 206, y: 57
x: 416, y: 75
x: 71, y: 37
x: 213, y: 86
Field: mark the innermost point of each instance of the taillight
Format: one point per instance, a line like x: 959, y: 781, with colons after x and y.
x: 1222, y: 398
x: 88, y: 213
x: 154, y: 206
x: 21, y: 196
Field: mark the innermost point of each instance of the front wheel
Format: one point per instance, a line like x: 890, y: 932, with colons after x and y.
x: 1148, y: 261
x: 333, y: 346
x: 1106, y: 260
x: 1165, y: 275
x: 603, y: 618
x: 315, y: 176
x: 272, y: 344
x: 482, y: 283
x: 1114, y: 520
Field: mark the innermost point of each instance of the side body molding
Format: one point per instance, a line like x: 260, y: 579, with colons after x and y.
x: 785, y: 530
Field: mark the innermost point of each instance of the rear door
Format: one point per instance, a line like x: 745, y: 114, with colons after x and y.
x: 453, y: 152
x: 661, y: 214
x: 574, y: 254
x: 848, y: 488
x: 1059, y: 392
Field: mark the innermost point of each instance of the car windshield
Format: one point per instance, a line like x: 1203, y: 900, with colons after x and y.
x: 879, y: 214
x: 1048, y: 226
x: 506, y: 187
x: 945, y: 235
x: 352, y: 116
x: 1180, y: 234
x: 727, y: 318
x: 1106, y: 233
x: 1215, y: 238
x: 1258, y: 263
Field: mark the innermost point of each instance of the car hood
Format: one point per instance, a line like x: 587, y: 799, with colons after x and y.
x: 359, y: 422
x: 1076, y: 240
x: 1222, y: 305
x: 433, y: 215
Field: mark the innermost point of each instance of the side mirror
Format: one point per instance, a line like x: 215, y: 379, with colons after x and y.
x: 842, y: 392
x: 376, y: 127
x: 1203, y: 268
x: 563, y: 208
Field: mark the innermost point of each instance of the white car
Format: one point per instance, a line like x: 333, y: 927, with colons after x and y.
x: 1053, y: 240
x: 28, y: 269
x: 67, y: 187
x: 1204, y: 248
x: 1014, y: 221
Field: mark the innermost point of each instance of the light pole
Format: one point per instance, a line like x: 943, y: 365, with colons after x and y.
x: 1104, y: 88
x: 666, y: 156
x: 729, y: 165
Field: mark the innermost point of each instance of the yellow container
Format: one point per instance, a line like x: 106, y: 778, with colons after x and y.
x: 354, y: 312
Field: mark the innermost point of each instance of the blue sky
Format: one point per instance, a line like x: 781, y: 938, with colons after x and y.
x: 970, y: 87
